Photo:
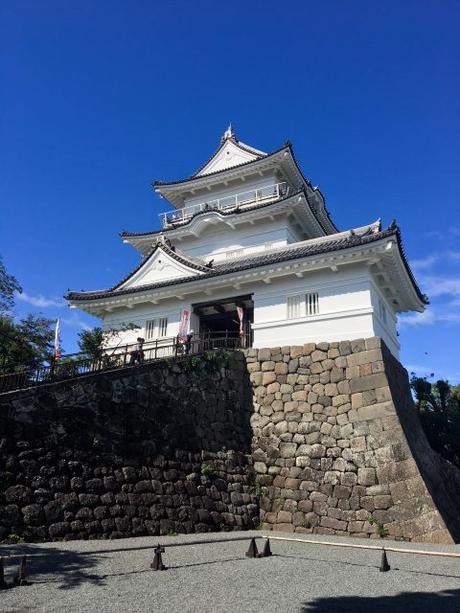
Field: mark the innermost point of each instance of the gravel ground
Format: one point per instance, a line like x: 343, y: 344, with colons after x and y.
x: 106, y: 576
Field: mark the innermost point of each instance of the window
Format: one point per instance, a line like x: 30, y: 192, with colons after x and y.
x: 156, y: 328
x: 302, y: 305
x: 294, y: 306
x: 311, y: 304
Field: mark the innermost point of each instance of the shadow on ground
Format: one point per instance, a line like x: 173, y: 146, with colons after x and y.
x: 68, y: 569
x: 447, y: 601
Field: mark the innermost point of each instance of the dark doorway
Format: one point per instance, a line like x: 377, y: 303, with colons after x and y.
x: 219, y: 319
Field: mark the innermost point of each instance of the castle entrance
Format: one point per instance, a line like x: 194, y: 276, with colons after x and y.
x: 226, y: 322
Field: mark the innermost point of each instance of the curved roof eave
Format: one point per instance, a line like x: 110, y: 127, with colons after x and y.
x: 314, y: 189
x: 267, y: 259
x: 201, y: 178
x: 223, y: 213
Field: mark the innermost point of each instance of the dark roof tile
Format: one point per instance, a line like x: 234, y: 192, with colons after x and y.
x: 337, y: 244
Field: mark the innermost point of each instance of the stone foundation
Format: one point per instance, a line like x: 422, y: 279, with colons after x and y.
x: 337, y: 443
x: 166, y: 447
x: 156, y: 449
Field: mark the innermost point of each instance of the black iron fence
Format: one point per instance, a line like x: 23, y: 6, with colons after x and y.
x: 120, y: 356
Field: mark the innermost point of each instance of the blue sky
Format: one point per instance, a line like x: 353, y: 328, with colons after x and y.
x: 99, y: 98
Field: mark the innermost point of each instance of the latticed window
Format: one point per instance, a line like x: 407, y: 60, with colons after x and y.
x: 156, y: 328
x: 311, y: 304
x: 302, y: 305
x: 294, y: 306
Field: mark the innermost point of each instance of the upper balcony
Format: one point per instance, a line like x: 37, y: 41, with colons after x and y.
x: 270, y: 193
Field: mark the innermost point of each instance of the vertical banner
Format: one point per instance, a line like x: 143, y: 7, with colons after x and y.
x: 57, y: 350
x: 240, y: 312
x: 183, y: 326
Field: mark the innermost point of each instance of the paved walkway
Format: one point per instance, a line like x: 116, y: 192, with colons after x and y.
x: 106, y: 576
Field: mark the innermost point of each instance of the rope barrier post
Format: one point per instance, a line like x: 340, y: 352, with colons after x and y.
x: 266, y: 550
x: 252, y: 552
x: 157, y: 563
x: 384, y: 566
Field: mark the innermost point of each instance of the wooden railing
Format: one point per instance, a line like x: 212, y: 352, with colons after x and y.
x: 78, y: 364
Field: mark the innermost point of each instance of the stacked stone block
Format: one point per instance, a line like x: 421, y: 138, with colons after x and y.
x: 156, y: 449
x: 310, y: 438
x: 329, y: 448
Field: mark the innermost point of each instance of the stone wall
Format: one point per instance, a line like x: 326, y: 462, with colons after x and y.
x: 311, y: 438
x: 154, y: 449
x: 337, y: 442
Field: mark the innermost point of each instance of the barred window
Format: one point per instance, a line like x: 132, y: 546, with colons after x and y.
x: 311, y: 304
x: 156, y: 328
x: 302, y: 305
x: 294, y: 307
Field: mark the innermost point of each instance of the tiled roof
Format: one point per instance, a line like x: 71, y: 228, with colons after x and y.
x: 165, y: 246
x: 310, y: 248
x: 194, y: 177
x: 225, y: 213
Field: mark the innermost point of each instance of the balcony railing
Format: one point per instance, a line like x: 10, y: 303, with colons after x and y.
x: 242, y: 199
x: 78, y: 364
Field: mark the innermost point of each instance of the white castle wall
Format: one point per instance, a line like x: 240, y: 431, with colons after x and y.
x: 217, y: 241
x: 235, y: 187
x: 348, y: 310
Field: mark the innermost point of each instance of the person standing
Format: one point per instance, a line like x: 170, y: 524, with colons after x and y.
x: 137, y: 354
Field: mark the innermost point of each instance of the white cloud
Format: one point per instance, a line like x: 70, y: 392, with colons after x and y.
x: 76, y: 322
x: 434, y: 258
x: 425, y: 263
x: 426, y: 318
x: 440, y: 285
x: 41, y: 301
x: 451, y: 231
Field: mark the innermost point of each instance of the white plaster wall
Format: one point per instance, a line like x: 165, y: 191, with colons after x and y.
x: 219, y: 239
x: 346, y: 310
x: 236, y: 187
x: 386, y: 330
x: 138, y: 315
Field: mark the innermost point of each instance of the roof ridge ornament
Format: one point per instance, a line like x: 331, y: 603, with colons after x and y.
x: 229, y: 134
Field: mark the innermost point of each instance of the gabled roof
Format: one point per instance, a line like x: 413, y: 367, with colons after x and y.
x: 313, y: 247
x: 173, y: 191
x: 196, y: 177
x: 165, y: 246
x: 228, y: 145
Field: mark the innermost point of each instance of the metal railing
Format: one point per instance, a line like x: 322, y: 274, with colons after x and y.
x: 78, y: 364
x: 254, y: 196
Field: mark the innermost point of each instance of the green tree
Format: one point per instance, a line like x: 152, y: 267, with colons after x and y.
x: 90, y: 342
x: 8, y: 286
x: 439, y: 407
x: 24, y: 343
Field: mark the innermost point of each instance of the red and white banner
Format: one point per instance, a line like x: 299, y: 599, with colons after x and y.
x: 240, y: 312
x: 57, y: 350
x: 183, y: 326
